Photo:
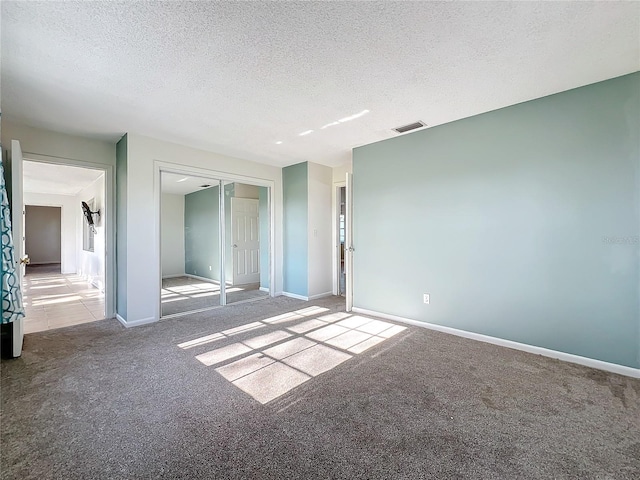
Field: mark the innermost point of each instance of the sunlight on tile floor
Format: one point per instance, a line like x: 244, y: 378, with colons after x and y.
x: 308, y: 343
x: 53, y: 300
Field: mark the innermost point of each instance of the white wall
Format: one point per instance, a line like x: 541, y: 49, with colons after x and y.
x: 70, y: 214
x: 339, y: 173
x: 77, y: 151
x: 143, y: 269
x: 320, y: 231
x: 91, y: 265
x: 172, y: 234
x: 54, y: 144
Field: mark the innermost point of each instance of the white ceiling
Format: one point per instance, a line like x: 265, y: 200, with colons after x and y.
x: 235, y: 77
x: 183, y: 184
x: 57, y: 179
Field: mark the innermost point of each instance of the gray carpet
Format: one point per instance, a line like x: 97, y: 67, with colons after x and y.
x: 170, y: 400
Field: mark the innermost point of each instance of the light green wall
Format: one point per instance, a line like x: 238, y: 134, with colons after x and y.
x: 295, y: 200
x: 522, y: 223
x: 121, y: 227
x: 201, y: 233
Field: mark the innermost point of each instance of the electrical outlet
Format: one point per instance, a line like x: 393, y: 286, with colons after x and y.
x: 425, y: 298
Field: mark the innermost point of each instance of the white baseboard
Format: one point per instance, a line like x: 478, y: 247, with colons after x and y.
x: 294, y: 295
x: 320, y: 295
x: 177, y: 275
x: 566, y: 357
x: 264, y: 289
x: 135, y: 323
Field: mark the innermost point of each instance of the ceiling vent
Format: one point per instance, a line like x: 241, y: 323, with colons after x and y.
x: 411, y: 126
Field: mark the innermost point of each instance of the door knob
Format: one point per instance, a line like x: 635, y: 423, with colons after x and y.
x: 25, y: 260
x: 234, y: 245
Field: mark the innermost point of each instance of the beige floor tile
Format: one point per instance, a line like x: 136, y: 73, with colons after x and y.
x: 34, y: 326
x: 55, y: 300
x: 62, y: 322
x: 79, y: 314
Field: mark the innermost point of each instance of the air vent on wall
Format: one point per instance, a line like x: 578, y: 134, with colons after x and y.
x: 411, y: 126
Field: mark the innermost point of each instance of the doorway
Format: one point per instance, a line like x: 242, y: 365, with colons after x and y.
x: 214, y: 242
x: 42, y: 237
x: 64, y: 282
x: 343, y: 240
x: 341, y: 196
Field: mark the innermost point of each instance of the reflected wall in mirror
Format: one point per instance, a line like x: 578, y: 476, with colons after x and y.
x: 190, y: 243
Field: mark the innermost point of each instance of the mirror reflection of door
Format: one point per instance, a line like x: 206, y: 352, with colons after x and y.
x: 248, y: 242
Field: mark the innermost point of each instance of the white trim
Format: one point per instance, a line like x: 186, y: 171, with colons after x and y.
x: 294, y: 295
x: 135, y: 323
x: 264, y: 289
x: 177, y: 275
x: 320, y: 295
x: 17, y: 332
x: 566, y: 357
x: 222, y: 241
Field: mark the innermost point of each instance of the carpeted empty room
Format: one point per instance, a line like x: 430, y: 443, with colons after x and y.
x: 283, y: 388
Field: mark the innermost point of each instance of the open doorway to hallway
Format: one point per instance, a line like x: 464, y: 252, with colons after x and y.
x: 64, y: 283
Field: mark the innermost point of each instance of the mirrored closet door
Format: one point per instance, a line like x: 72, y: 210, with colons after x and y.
x: 215, y: 243
x: 246, y: 242
x: 190, y: 237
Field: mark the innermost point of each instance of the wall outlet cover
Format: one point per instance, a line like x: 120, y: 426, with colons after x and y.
x: 425, y: 298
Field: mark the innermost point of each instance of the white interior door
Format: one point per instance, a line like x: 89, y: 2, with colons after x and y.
x: 245, y: 240
x: 17, y: 225
x: 348, y: 260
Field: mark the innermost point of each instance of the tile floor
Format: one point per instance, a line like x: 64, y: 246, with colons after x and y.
x: 53, y: 300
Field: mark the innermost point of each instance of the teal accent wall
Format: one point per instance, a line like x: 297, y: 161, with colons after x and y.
x: 522, y: 223
x: 201, y: 233
x: 296, y: 245
x: 263, y: 214
x: 121, y: 227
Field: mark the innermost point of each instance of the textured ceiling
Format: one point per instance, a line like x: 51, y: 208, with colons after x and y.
x: 235, y: 78
x: 57, y: 179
